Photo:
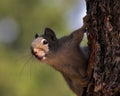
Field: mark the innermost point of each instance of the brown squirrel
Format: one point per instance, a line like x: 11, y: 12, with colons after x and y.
x: 65, y: 55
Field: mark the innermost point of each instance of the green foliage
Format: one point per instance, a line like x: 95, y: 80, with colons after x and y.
x: 19, y: 75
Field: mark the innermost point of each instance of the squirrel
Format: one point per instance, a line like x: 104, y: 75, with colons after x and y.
x: 65, y: 55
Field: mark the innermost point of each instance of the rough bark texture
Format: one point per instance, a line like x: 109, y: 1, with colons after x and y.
x: 104, y: 41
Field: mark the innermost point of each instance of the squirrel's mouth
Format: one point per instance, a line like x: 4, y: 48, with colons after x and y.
x: 40, y: 56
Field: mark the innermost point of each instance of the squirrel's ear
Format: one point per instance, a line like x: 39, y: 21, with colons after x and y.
x: 36, y: 35
x: 50, y: 33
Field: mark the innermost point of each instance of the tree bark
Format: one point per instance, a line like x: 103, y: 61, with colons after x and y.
x: 104, y: 43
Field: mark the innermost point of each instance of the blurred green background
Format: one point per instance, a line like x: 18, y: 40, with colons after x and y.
x: 20, y: 73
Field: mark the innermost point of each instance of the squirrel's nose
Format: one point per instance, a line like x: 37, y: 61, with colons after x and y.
x: 32, y: 50
x: 35, y: 50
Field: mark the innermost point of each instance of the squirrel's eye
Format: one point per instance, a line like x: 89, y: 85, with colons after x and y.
x: 44, y: 41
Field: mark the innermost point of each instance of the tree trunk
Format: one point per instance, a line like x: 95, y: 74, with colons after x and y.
x: 104, y: 41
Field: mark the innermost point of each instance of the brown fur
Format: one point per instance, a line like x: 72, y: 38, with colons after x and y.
x: 66, y: 56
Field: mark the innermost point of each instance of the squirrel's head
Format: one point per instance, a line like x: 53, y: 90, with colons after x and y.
x: 42, y: 45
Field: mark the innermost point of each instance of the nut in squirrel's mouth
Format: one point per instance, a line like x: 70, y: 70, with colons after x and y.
x: 38, y: 55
